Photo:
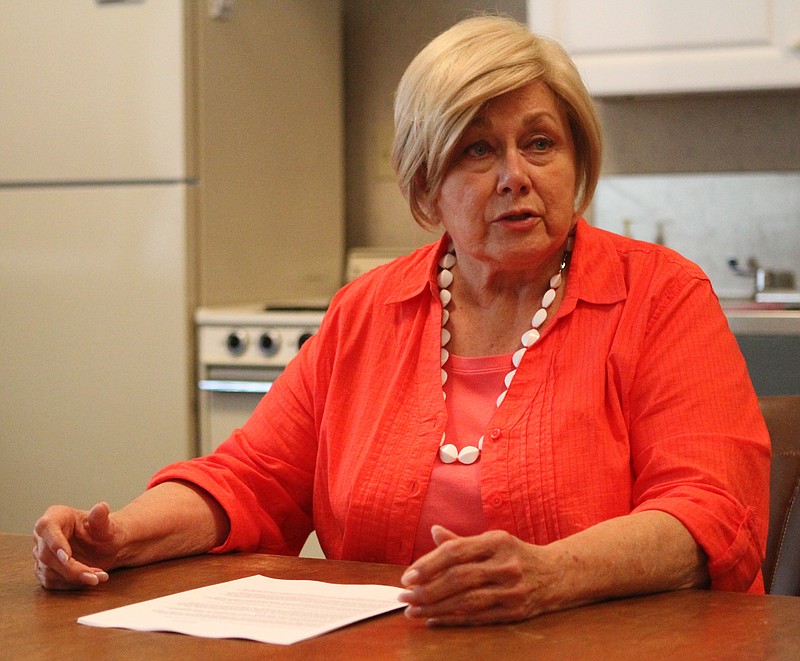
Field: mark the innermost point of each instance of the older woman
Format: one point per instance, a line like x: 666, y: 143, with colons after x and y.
x: 531, y: 412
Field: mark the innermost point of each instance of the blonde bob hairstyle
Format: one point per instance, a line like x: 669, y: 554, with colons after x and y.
x: 452, y: 78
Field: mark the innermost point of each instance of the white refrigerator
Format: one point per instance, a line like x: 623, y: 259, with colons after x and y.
x: 113, y: 227
x: 94, y: 354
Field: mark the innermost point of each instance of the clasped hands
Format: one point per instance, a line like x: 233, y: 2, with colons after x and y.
x: 490, y: 578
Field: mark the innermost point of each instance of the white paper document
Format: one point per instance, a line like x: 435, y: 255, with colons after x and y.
x: 269, y: 610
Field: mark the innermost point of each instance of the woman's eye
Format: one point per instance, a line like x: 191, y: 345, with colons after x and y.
x: 540, y: 144
x: 477, y: 150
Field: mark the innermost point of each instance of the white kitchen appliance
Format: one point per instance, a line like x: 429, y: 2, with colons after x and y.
x: 153, y: 156
x: 240, y: 353
x: 95, y: 394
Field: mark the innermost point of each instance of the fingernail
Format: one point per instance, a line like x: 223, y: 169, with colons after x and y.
x: 90, y: 578
x: 412, y: 611
x: 61, y: 554
x: 101, y: 576
x: 410, y: 577
x: 406, y: 596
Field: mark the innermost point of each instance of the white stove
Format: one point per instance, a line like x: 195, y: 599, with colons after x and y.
x: 240, y: 352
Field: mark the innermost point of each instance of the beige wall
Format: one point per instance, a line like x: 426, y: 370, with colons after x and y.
x: 700, y: 133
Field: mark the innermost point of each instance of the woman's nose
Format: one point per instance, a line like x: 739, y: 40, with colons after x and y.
x: 513, y: 176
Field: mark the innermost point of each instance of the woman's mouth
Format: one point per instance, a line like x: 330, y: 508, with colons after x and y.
x: 518, y: 216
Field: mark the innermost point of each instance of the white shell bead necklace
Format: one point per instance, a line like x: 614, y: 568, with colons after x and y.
x: 469, y: 454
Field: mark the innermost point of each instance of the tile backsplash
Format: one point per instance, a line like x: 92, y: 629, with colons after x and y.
x: 709, y: 218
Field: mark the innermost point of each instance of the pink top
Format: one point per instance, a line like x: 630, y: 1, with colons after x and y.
x: 453, y: 499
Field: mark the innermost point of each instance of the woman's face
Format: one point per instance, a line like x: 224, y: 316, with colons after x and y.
x: 508, y: 194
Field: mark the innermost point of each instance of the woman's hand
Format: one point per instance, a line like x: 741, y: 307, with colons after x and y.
x: 495, y: 577
x: 490, y: 578
x: 75, y: 548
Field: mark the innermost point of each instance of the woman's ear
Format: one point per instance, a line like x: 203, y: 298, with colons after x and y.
x: 426, y: 202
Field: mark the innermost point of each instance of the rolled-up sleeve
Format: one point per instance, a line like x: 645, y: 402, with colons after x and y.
x: 700, y: 450
x: 263, y: 474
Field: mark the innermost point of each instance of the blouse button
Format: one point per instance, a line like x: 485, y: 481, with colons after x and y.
x: 496, y: 433
x: 497, y: 501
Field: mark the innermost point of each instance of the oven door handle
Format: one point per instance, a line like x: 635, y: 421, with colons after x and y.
x: 227, y: 385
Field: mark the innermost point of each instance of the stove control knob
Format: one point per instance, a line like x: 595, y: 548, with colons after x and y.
x: 269, y: 343
x: 303, y: 337
x: 237, y: 342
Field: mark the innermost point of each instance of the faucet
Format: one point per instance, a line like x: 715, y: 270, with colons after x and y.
x: 753, y: 270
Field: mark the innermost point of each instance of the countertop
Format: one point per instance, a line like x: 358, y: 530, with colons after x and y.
x: 746, y: 317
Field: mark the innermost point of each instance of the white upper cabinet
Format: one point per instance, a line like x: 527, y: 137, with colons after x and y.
x: 627, y: 47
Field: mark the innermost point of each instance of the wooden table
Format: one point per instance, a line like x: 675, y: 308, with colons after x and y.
x: 693, y: 624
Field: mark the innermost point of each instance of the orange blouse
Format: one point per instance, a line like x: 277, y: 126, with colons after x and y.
x: 635, y: 398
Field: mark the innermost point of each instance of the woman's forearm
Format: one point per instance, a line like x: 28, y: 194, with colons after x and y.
x: 640, y: 553
x: 496, y: 577
x: 170, y: 520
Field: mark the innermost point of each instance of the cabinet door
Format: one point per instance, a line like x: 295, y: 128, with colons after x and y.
x: 659, y: 46
x: 91, y: 91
